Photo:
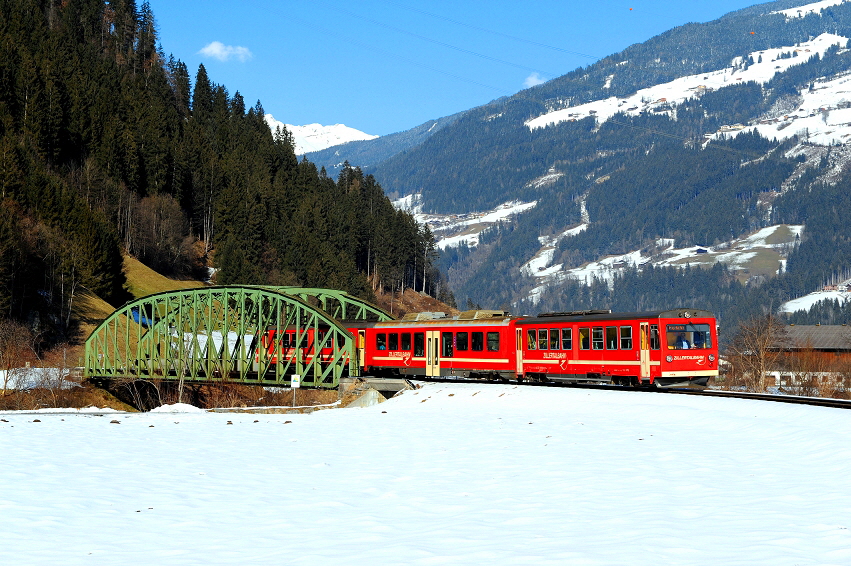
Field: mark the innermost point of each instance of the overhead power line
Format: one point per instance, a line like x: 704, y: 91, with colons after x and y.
x: 435, y: 41
x: 491, y: 31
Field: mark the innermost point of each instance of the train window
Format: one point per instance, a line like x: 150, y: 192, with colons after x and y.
x: 584, y: 338
x: 611, y: 337
x: 448, y: 349
x: 553, y: 338
x: 493, y: 341
x: 597, y: 338
x: 381, y: 341
x: 406, y: 341
x: 654, y: 337
x: 478, y: 341
x: 393, y: 341
x: 532, y: 342
x: 566, y: 338
x: 542, y: 338
x: 461, y: 341
x: 419, y: 344
x: 688, y: 336
x: 626, y: 338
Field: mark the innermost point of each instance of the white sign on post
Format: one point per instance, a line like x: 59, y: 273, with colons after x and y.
x: 295, y: 381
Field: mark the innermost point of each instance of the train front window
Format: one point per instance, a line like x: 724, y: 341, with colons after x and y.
x: 461, y: 341
x: 553, y: 338
x: 611, y: 337
x: 688, y: 336
x: 493, y: 341
x: 419, y: 344
x: 597, y: 338
x: 381, y: 341
x: 566, y: 338
x: 626, y: 338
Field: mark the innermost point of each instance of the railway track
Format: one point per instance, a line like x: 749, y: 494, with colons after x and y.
x: 792, y: 399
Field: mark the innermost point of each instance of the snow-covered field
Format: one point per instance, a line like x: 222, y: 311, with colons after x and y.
x: 448, y: 474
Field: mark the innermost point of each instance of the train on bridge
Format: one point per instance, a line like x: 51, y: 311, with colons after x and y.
x: 671, y: 348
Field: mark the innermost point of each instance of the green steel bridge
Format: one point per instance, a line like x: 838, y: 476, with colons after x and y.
x: 222, y: 334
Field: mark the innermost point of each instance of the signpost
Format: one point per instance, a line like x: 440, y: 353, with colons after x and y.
x: 295, y: 383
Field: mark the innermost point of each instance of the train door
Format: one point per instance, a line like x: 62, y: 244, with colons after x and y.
x: 361, y: 361
x: 433, y: 353
x: 644, y: 358
x: 519, y: 351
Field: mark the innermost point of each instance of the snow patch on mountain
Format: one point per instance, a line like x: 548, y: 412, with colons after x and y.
x: 316, y: 137
x: 451, y: 230
x: 662, y: 98
x: 771, y: 242
x: 814, y: 8
x: 822, y: 117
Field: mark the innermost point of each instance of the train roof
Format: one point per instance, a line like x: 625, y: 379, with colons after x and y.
x: 592, y: 316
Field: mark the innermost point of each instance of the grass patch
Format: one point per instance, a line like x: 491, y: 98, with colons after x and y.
x: 143, y: 281
x: 782, y: 235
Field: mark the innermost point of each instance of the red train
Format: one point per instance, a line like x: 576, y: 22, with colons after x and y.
x: 668, y: 348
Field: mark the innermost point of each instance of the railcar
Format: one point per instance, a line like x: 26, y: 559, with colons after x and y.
x: 474, y: 344
x: 293, y: 343
x: 663, y: 348
x: 666, y: 348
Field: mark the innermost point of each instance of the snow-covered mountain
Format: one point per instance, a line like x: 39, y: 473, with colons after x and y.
x: 316, y: 137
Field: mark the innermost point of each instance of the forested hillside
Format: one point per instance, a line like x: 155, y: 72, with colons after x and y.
x: 657, y: 174
x: 108, y: 146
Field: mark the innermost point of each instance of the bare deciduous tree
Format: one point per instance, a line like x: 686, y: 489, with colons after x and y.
x: 755, y: 350
x: 15, y: 343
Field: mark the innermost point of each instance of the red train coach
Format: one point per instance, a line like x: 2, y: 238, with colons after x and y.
x: 475, y: 344
x: 667, y: 348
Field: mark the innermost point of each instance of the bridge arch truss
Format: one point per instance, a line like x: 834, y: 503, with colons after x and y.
x: 239, y: 334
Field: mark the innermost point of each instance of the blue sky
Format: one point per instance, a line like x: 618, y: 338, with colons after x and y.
x: 384, y: 66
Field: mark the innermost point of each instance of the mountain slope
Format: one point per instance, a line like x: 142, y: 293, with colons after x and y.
x: 699, y: 136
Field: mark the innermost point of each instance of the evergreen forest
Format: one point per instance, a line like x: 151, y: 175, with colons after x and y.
x: 110, y: 147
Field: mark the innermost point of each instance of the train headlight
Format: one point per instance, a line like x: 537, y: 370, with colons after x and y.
x: 669, y: 359
x: 711, y: 357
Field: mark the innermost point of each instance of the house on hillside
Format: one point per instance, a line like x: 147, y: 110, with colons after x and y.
x: 811, y: 354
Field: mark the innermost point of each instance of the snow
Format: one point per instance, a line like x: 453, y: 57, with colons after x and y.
x: 25, y: 378
x: 448, y: 474
x: 662, y: 98
x: 804, y: 303
x: 177, y: 408
x: 814, y: 8
x: 316, y: 137
x: 818, y: 118
x: 452, y: 230
x: 736, y: 254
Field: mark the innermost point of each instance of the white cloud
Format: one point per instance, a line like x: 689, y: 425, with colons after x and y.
x: 533, y: 79
x: 222, y: 52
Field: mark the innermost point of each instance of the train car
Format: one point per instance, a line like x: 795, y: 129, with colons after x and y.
x: 474, y: 344
x: 294, y: 344
x: 663, y: 348
x: 668, y: 348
